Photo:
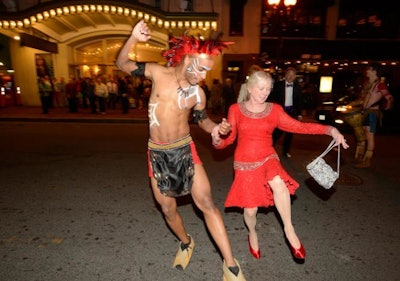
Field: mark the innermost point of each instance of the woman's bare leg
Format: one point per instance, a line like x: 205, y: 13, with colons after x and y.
x: 250, y: 219
x: 282, y: 203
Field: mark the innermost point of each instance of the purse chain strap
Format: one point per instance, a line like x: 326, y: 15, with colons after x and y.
x: 329, y: 148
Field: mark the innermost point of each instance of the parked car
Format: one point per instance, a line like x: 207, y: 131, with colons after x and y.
x: 338, y: 113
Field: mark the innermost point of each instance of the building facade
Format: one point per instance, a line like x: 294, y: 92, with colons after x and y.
x: 82, y: 38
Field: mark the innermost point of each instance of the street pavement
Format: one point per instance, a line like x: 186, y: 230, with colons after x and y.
x: 60, y: 114
x: 75, y: 205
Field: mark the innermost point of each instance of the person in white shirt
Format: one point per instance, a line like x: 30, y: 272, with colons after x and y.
x: 101, y: 91
x: 287, y: 93
x: 112, y: 87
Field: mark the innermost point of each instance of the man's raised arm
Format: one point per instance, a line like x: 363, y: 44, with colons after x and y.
x: 140, y: 33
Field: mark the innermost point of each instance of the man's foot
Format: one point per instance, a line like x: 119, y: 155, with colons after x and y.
x: 184, y: 254
x: 232, y: 273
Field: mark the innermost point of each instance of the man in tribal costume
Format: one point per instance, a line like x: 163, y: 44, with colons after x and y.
x: 175, y: 168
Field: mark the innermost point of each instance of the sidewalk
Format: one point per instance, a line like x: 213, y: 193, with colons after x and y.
x: 61, y: 114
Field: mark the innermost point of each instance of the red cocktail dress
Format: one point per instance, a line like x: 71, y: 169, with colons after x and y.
x: 255, y: 159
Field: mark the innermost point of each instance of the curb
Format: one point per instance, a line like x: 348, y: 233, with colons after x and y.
x: 73, y: 120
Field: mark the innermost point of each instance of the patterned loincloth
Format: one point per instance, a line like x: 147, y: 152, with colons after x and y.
x: 172, y: 165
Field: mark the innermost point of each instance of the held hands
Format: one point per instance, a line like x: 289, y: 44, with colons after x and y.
x: 222, y: 128
x: 141, y: 31
x: 339, y: 138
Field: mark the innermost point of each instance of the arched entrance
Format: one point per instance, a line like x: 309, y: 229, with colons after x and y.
x: 83, y: 39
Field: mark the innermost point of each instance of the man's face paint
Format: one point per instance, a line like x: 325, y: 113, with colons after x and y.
x: 198, y: 68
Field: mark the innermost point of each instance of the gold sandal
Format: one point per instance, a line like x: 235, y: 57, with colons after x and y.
x: 229, y: 276
x: 183, y: 257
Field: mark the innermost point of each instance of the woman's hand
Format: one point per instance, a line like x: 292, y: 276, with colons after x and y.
x: 222, y: 128
x: 339, y: 138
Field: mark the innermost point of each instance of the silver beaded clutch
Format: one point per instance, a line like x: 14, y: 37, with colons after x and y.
x: 322, y: 172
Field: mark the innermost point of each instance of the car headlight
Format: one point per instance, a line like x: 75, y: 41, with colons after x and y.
x: 344, y: 108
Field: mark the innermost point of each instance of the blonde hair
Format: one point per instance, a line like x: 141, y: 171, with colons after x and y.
x: 243, y: 94
x: 257, y: 77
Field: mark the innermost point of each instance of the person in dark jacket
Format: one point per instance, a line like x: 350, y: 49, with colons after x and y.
x: 71, y: 91
x: 287, y: 93
x: 123, y: 93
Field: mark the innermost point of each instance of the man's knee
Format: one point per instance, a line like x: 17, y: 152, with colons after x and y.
x: 206, y: 204
x: 169, y: 211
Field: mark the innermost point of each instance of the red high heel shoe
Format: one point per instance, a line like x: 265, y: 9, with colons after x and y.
x: 299, y: 253
x: 256, y: 254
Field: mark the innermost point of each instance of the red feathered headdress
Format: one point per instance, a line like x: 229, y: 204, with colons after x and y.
x: 186, y: 45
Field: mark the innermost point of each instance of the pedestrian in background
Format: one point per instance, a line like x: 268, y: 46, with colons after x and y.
x: 84, y: 92
x: 61, y: 86
x: 124, y: 94
x: 101, y: 92
x: 228, y: 94
x: 287, y: 93
x: 71, y: 91
x: 56, y: 93
x: 91, y: 95
x: 112, y: 88
x: 216, y: 97
x: 45, y: 90
x: 373, y: 91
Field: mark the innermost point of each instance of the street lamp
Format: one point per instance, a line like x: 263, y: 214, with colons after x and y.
x: 278, y: 15
x: 278, y: 7
x: 287, y: 3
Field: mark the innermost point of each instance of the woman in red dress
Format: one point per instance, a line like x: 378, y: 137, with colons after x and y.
x: 260, y: 180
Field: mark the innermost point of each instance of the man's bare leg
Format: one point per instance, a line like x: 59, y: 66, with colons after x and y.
x: 171, y: 214
x: 175, y: 222
x: 201, y: 194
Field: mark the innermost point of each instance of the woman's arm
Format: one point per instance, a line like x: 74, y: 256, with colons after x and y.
x: 228, y: 138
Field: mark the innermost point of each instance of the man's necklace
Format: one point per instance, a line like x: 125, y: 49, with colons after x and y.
x: 184, y: 93
x: 181, y: 91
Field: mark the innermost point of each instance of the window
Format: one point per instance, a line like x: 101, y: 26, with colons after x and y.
x: 236, y: 17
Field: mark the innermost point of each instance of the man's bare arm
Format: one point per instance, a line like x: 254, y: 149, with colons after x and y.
x: 140, y: 33
x: 207, y: 125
